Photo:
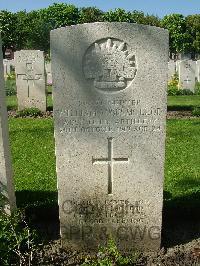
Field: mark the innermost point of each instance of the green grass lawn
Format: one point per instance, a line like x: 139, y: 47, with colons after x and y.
x: 183, y: 102
x: 32, y: 146
x: 182, y: 164
x: 33, y: 156
x: 12, y: 102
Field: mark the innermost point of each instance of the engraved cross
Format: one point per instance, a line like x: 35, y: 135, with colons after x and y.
x: 30, y: 76
x: 110, y: 161
x: 187, y: 80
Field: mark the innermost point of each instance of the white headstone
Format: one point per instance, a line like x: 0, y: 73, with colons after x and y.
x: 171, y: 69
x: 109, y: 109
x: 187, y: 69
x: 7, y: 195
x: 30, y: 79
x: 8, y: 64
x: 48, y: 73
x: 198, y: 70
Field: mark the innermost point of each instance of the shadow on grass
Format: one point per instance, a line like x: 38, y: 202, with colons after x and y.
x: 41, y: 211
x: 180, y: 108
x: 181, y: 219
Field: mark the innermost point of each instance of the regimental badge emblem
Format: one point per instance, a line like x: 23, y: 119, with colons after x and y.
x: 110, y: 65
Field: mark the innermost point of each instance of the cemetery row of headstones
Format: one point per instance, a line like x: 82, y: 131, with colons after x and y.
x: 32, y: 74
x: 110, y: 116
x: 188, y: 72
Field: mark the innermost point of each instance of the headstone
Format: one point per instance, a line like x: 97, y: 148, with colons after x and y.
x: 48, y: 73
x: 7, y: 195
x: 8, y: 66
x: 187, y: 74
x: 171, y: 69
x: 184, y: 56
x: 109, y: 108
x: 30, y: 79
x: 177, y: 65
x: 198, y: 70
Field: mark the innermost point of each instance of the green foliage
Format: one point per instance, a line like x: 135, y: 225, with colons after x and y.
x: 197, y: 88
x: 90, y: 14
x: 173, y: 86
x: 17, y: 241
x: 179, y: 39
x: 11, y: 76
x: 193, y: 28
x: 172, y: 90
x: 60, y: 15
x: 196, y: 111
x: 8, y: 29
x: 29, y: 112
x: 118, y: 15
x: 10, y: 86
x: 30, y: 30
x: 140, y: 18
x: 109, y: 256
x: 185, y: 92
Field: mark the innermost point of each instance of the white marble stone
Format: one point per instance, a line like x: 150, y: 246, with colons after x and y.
x: 171, y: 69
x: 30, y: 79
x: 198, y: 70
x: 48, y: 73
x: 187, y: 69
x: 109, y: 96
x: 8, y: 65
x: 7, y: 195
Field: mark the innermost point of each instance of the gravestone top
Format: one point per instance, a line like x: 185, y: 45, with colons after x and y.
x: 109, y: 93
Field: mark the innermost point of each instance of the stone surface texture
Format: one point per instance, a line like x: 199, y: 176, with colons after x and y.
x: 30, y: 79
x: 7, y: 195
x: 109, y: 93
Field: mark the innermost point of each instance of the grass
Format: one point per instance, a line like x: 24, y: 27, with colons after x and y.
x: 32, y: 146
x: 183, y: 102
x: 33, y: 157
x: 182, y: 163
x: 10, y: 86
x: 12, y: 102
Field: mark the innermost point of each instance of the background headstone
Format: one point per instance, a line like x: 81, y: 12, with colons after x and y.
x: 187, y: 69
x: 7, y: 195
x: 30, y: 79
x: 177, y: 65
x: 198, y: 70
x: 8, y: 66
x: 109, y: 97
x: 171, y: 69
x: 48, y: 73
